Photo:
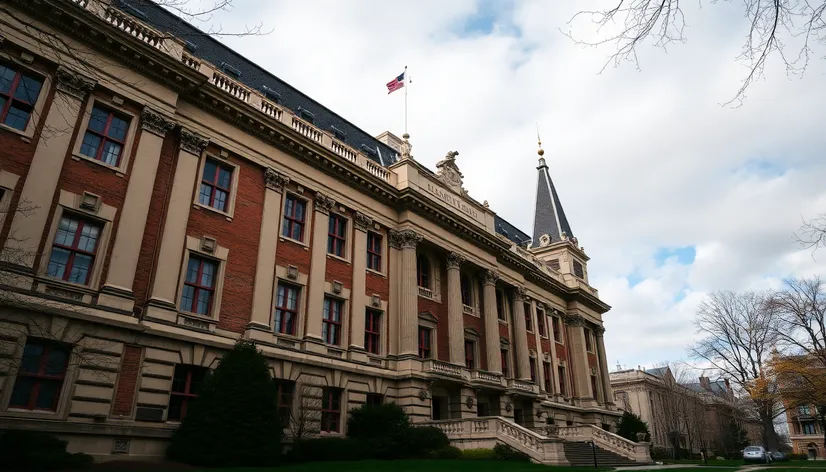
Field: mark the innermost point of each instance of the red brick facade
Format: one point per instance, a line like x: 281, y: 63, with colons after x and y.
x: 127, y: 380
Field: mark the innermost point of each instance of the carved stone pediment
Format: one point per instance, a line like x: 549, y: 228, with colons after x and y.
x: 449, y: 174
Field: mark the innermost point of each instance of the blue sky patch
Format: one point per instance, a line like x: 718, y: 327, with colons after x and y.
x: 763, y: 167
x: 685, y: 255
x: 488, y: 15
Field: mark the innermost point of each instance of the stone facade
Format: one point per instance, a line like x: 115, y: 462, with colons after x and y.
x: 154, y: 216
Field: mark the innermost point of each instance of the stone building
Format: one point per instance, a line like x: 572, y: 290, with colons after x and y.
x: 806, y: 432
x: 164, y: 197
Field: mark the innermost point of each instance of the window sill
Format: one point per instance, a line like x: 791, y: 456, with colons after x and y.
x: 501, y: 321
x: 199, y: 205
x: 342, y: 259
x: 26, y: 135
x: 375, y: 272
x: 557, y: 342
x: 197, y: 321
x: 117, y: 170
x: 294, y: 241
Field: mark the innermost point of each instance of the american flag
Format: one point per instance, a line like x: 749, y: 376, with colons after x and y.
x: 395, y: 84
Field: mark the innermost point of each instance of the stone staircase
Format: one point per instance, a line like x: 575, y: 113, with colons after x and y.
x: 561, y: 446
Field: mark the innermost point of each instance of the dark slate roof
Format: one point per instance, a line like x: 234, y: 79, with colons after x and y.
x: 549, y: 217
x: 658, y: 372
x: 206, y: 47
x: 717, y: 387
x: 510, y: 231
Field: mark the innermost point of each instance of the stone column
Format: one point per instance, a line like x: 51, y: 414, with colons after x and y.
x: 394, y: 271
x: 549, y: 312
x: 607, y: 391
x: 455, y: 318
x: 489, y: 279
x: 358, y: 297
x: 540, y: 357
x: 267, y: 244
x: 523, y: 366
x: 581, y: 372
x: 132, y: 220
x: 318, y: 265
x: 407, y: 240
x: 47, y: 164
x: 177, y: 216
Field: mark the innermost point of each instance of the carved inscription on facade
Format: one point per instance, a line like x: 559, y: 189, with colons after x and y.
x: 452, y: 200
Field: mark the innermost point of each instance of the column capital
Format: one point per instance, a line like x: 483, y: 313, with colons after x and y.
x: 490, y: 277
x: 275, y: 180
x: 73, y: 83
x: 599, y: 330
x: 454, y: 260
x: 361, y: 221
x: 155, y: 122
x: 404, y: 239
x: 192, y: 142
x: 574, y: 320
x: 323, y: 203
x: 518, y: 294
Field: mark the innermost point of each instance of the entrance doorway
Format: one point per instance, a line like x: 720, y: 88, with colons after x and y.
x: 439, y: 408
x: 811, y: 451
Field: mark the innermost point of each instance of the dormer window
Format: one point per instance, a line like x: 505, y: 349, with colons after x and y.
x: 228, y: 69
x: 554, y: 264
x: 339, y: 134
x: 305, y: 115
x: 578, y: 270
x: 271, y: 94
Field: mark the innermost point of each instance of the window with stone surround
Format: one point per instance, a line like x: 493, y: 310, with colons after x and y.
x: 74, y: 249
x: 374, y: 250
x: 594, y: 390
x: 105, y: 137
x: 18, y: 94
x: 331, y: 410
x: 216, y: 185
x: 286, y: 308
x: 546, y: 369
x: 560, y: 373
x: 540, y: 322
x: 528, y: 318
x: 556, y: 328
x: 505, y: 362
x: 285, y: 389
x: 295, y: 218
x: 337, y: 235
x: 425, y: 335
x: 332, y: 320
x: 578, y: 269
x: 532, y: 365
x: 186, y: 384
x: 467, y: 294
x: 199, y: 285
x: 375, y: 399
x: 589, y: 344
x: 40, y: 376
x: 372, y: 331
x: 423, y: 271
x: 500, y: 305
x: 470, y: 354
x: 809, y: 428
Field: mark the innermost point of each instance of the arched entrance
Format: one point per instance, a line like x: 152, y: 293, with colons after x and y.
x: 811, y: 451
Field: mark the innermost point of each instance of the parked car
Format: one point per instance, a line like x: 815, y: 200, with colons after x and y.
x: 756, y: 454
x: 778, y: 456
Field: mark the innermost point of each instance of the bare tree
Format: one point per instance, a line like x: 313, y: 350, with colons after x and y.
x: 738, y: 333
x: 789, y: 29
x: 812, y: 234
x: 305, y: 421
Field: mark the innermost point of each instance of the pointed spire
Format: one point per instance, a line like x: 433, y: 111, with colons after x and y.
x: 549, y: 217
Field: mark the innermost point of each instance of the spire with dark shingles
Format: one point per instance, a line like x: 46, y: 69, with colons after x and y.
x: 549, y: 217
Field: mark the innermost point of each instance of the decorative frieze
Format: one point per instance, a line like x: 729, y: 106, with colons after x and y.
x: 192, y: 142
x: 361, y: 221
x: 156, y: 123
x: 490, y: 277
x: 73, y: 83
x: 274, y: 180
x: 323, y: 203
x: 406, y: 238
x: 454, y: 260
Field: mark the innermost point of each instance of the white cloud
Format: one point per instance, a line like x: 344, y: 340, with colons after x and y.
x: 642, y: 159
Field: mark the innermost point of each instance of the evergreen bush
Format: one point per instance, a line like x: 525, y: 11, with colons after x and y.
x: 630, y: 424
x: 503, y: 452
x: 35, y: 451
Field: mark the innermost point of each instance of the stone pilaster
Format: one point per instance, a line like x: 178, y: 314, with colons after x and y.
x: 489, y: 279
x: 44, y: 172
x: 359, y: 298
x: 607, y: 391
x: 173, y: 240
x: 407, y: 240
x: 554, y: 360
x: 455, y: 318
x: 318, y: 268
x: 267, y: 244
x: 540, y: 358
x: 523, y: 366
x: 579, y: 370
x: 117, y: 291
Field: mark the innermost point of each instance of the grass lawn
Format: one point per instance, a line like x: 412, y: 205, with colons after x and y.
x: 416, y: 466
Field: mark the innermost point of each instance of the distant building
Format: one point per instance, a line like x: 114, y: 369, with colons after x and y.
x: 805, y: 432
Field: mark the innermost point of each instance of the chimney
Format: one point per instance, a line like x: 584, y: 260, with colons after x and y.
x: 391, y: 140
x: 728, y: 385
x: 705, y: 383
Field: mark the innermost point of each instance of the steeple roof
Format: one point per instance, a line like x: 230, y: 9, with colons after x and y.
x: 549, y: 217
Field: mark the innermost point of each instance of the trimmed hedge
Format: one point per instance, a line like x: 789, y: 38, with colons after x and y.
x: 797, y: 456
x: 35, y: 451
x: 503, y: 452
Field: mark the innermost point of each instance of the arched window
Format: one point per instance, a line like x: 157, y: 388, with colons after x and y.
x: 466, y: 297
x: 423, y: 271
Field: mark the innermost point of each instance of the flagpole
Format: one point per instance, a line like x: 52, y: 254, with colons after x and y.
x: 405, y: 98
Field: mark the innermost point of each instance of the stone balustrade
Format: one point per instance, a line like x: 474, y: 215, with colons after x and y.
x: 523, y: 385
x: 425, y: 292
x: 445, y: 368
x: 639, y: 452
x: 482, y: 376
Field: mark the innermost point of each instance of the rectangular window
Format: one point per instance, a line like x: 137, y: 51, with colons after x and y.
x: 554, y: 264
x: 18, y: 94
x: 285, y: 390
x: 73, y: 250
x: 560, y: 373
x: 504, y: 354
x: 374, y: 241
x: 375, y: 399
x: 594, y: 390
x: 588, y: 343
x: 424, y: 342
x: 294, y: 218
x: 331, y: 321
x: 532, y: 364
x: 286, y: 309
x: 500, y: 305
x: 540, y: 322
x: 578, y: 271
x: 470, y: 354
x: 199, y: 285
x: 330, y: 409
x: 546, y: 369
x: 464, y: 281
x: 40, y: 376
x: 105, y: 136
x: 809, y: 428
x: 336, y: 235
x: 186, y: 383
x: 528, y: 318
x: 804, y: 410
x: 555, y: 324
x: 372, y: 331
x: 215, y: 185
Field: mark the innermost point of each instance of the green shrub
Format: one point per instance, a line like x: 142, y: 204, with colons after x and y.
x: 377, y: 421
x: 423, y: 439
x: 503, y: 452
x: 479, y: 454
x: 34, y: 451
x: 331, y: 449
x: 234, y: 421
x: 630, y: 424
x: 660, y: 453
x: 797, y: 456
x: 448, y: 452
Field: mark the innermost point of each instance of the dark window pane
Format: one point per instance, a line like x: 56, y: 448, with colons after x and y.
x: 224, y: 178
x: 57, y: 263
x: 6, y: 77
x: 47, y: 395
x: 23, y: 387
x: 175, y: 404
x: 17, y: 117
x: 28, y: 89
x: 117, y: 129
x: 209, y: 171
x: 56, y: 363
x: 31, y: 358
x: 97, y: 122
x: 90, y: 145
x: 205, y: 196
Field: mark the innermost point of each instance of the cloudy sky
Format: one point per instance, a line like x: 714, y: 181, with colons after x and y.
x: 671, y: 194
